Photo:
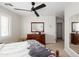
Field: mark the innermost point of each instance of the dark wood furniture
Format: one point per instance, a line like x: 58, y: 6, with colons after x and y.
x: 39, y: 37
x: 75, y: 38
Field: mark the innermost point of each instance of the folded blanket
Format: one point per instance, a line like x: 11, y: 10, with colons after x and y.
x: 40, y: 52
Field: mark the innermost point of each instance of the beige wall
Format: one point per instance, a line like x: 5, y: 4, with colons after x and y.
x: 50, y: 26
x: 15, y: 26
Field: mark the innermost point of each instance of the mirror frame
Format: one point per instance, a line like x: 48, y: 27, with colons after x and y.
x: 72, y: 26
x: 37, y: 23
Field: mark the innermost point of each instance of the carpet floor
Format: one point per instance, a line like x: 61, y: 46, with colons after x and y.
x: 59, y: 45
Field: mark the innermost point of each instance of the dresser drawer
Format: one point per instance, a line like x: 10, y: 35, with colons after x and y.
x: 75, y: 38
x: 39, y: 37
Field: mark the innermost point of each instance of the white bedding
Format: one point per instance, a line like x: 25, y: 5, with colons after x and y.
x: 18, y: 49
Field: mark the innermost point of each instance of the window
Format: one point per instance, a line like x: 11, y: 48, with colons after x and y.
x: 5, y: 26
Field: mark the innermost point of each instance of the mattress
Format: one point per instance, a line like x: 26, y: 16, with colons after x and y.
x: 18, y: 49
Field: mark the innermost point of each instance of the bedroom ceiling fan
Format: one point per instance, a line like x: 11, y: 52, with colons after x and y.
x: 34, y: 9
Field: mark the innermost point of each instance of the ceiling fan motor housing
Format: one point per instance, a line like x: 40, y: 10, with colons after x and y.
x: 32, y: 9
x: 33, y: 3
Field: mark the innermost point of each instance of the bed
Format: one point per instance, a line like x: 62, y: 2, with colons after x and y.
x: 21, y: 49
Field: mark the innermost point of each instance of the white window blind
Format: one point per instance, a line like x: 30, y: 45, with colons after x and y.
x: 5, y: 26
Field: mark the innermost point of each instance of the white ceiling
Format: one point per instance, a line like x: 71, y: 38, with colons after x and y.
x: 51, y: 8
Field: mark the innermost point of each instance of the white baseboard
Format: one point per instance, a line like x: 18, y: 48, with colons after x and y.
x: 71, y: 53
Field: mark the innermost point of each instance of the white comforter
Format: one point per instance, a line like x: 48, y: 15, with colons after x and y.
x: 18, y: 49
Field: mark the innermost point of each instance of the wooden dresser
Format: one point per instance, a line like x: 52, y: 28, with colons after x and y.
x: 39, y: 37
x: 75, y: 38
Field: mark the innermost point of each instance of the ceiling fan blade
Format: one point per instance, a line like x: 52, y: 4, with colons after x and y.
x: 40, y: 6
x: 8, y: 4
x: 22, y: 9
x: 36, y: 13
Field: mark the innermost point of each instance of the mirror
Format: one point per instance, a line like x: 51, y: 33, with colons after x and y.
x: 74, y: 34
x: 75, y: 26
x: 37, y: 26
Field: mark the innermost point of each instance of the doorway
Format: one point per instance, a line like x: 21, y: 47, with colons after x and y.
x: 59, y: 30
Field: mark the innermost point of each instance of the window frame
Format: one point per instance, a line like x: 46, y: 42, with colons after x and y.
x: 9, y: 25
